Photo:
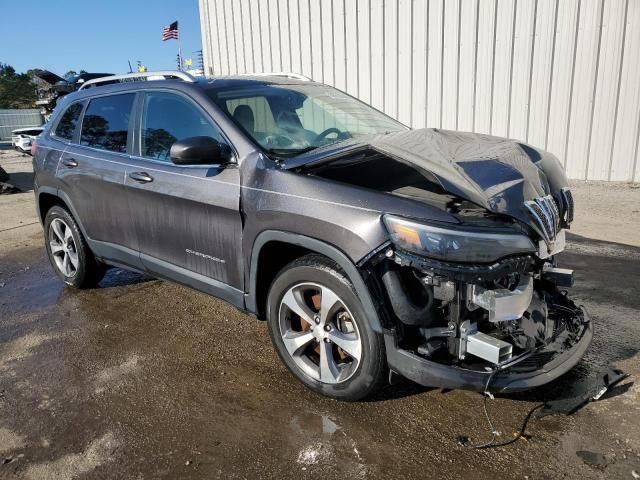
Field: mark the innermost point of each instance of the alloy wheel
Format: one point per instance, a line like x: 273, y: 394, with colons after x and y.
x: 63, y: 247
x: 319, y: 333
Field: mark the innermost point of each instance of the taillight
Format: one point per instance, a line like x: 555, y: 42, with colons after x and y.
x: 33, y: 147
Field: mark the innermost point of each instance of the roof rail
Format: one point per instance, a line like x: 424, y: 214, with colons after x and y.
x: 296, y: 76
x: 132, y: 77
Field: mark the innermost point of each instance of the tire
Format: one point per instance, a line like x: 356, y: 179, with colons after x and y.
x: 63, y: 239
x: 310, y: 285
x: 4, y: 176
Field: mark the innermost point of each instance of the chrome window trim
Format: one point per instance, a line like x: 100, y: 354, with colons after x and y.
x: 136, y: 157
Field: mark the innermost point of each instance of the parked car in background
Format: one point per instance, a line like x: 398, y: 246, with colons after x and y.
x: 22, y: 138
x: 367, y: 246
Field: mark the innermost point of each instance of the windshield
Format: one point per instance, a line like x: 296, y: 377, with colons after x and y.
x: 292, y: 119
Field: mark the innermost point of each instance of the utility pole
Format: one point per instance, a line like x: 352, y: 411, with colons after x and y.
x: 200, y: 58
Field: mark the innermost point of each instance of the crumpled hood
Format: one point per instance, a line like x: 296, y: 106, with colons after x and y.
x: 496, y: 173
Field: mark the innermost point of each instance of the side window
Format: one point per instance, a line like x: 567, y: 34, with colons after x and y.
x: 106, y: 122
x: 68, y: 122
x: 168, y: 118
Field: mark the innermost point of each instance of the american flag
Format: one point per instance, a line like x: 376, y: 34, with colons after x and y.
x: 170, y: 31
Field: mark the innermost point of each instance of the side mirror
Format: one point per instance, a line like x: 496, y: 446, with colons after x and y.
x: 199, y: 151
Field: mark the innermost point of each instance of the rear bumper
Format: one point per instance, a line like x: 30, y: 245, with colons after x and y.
x: 433, y: 374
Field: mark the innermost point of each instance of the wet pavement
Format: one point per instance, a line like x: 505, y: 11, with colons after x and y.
x: 144, y: 379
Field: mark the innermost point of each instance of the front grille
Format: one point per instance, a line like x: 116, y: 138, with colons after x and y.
x: 533, y: 362
x: 546, y: 214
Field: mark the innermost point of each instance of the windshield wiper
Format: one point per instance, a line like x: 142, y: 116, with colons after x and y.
x: 290, y: 151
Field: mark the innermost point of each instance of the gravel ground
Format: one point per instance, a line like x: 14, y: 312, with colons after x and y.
x: 146, y: 379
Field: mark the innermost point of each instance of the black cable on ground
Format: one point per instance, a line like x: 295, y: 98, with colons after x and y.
x: 492, y: 443
x: 521, y: 433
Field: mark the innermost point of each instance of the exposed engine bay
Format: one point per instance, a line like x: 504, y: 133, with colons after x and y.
x: 492, y: 318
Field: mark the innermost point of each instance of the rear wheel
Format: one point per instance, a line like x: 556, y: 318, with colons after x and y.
x: 319, y: 329
x: 68, y: 251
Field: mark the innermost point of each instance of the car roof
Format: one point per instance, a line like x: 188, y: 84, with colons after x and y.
x: 232, y: 81
x: 217, y: 82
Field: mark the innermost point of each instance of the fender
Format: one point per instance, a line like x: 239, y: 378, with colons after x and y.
x: 322, y: 248
x: 65, y: 198
x: 67, y: 201
x: 38, y: 190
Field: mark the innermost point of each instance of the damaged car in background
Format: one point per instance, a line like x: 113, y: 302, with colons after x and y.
x: 22, y: 138
x: 370, y: 248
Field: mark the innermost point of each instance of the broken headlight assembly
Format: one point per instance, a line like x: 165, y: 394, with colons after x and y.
x: 455, y: 245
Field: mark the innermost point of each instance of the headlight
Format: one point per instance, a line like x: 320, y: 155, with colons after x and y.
x: 454, y: 245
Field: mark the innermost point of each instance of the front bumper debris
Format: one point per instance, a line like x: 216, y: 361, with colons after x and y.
x: 546, y: 364
x: 582, y: 392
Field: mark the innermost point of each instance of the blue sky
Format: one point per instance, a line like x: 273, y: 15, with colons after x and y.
x: 96, y: 36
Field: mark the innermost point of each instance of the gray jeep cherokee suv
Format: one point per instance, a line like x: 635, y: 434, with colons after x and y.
x: 368, y: 247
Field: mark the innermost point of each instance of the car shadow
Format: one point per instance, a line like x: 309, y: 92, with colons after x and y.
x: 119, y: 277
x: 404, y: 388
x: 21, y: 180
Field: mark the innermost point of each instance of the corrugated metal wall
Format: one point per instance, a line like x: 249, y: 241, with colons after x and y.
x: 563, y: 75
x: 10, y: 119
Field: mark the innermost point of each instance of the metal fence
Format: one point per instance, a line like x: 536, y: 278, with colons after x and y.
x: 18, y: 118
x: 563, y: 75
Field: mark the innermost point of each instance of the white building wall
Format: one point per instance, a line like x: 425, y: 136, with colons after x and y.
x: 563, y: 75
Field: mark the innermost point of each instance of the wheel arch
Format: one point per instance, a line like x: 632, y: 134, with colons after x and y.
x: 50, y: 197
x: 260, y: 280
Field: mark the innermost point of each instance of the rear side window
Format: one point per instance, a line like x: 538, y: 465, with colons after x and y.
x: 67, y: 125
x: 168, y: 118
x: 106, y: 122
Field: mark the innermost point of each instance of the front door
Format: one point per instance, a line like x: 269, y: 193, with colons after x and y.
x: 187, y: 218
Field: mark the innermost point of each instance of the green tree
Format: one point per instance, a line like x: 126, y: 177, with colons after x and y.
x: 16, y: 89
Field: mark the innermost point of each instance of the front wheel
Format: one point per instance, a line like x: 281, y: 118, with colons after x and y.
x: 319, y: 329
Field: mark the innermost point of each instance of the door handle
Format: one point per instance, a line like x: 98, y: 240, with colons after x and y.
x: 70, y: 162
x: 141, y: 177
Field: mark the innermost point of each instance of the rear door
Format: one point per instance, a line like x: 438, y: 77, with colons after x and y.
x: 64, y: 131
x: 92, y: 170
x: 187, y: 218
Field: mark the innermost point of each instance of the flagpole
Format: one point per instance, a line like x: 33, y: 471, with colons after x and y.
x: 179, y: 51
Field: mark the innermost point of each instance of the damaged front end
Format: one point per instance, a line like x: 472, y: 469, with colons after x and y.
x: 476, y: 298
x: 477, y: 309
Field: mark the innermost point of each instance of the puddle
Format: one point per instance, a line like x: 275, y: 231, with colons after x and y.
x: 312, y: 423
x: 593, y: 458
